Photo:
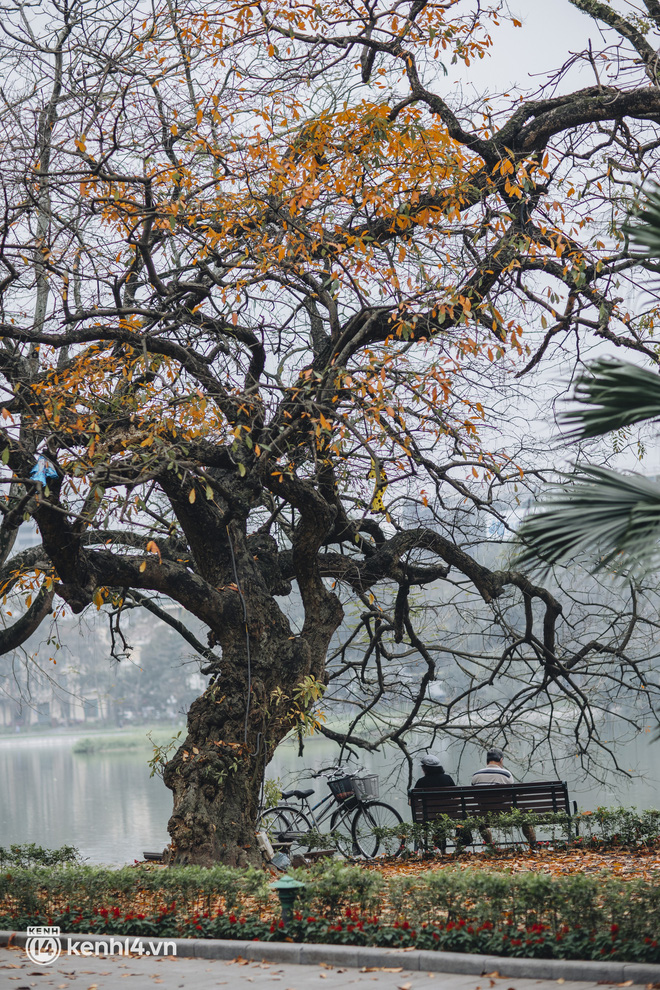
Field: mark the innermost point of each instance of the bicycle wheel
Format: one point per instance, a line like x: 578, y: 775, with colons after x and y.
x: 341, y: 824
x: 376, y: 814
x: 286, y: 824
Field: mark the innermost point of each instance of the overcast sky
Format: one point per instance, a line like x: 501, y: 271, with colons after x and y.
x: 520, y: 56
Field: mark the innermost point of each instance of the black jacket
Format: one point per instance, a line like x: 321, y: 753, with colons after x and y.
x: 433, y: 781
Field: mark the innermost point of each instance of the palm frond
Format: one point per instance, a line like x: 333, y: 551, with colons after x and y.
x: 597, y: 512
x: 647, y: 233
x: 614, y: 394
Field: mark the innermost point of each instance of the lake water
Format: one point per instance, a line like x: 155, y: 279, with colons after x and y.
x: 108, y: 806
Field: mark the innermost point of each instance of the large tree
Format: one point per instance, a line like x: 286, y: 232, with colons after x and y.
x: 264, y: 285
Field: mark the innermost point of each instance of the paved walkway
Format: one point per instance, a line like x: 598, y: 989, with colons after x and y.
x: 17, y: 972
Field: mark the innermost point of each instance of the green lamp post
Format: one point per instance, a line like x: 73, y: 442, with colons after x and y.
x: 287, y: 890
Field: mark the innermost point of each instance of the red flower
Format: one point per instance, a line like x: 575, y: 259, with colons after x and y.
x: 311, y: 920
x: 232, y: 918
x: 614, y: 929
x: 405, y: 926
x: 116, y: 912
x: 280, y: 923
x: 103, y: 912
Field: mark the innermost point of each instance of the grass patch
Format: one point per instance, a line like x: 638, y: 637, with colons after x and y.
x: 124, y: 742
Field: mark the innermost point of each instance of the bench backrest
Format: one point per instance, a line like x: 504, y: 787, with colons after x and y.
x: 483, y: 799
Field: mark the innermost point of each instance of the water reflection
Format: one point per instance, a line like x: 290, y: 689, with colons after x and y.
x: 105, y: 804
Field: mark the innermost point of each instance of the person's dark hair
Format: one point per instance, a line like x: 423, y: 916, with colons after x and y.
x: 494, y: 755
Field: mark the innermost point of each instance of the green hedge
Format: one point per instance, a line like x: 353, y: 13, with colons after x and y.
x: 470, y: 910
x: 605, y: 827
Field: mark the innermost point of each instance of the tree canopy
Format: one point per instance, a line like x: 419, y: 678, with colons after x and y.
x: 266, y: 290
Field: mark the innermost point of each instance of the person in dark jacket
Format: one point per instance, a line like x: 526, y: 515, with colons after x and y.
x: 434, y: 778
x: 434, y: 775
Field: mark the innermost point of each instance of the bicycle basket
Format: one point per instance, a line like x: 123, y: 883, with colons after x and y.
x: 366, y: 787
x: 342, y: 788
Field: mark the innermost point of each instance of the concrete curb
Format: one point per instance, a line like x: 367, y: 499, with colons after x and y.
x: 353, y: 956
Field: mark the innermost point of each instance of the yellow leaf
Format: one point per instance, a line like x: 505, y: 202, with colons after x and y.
x: 191, y: 496
x: 143, y: 566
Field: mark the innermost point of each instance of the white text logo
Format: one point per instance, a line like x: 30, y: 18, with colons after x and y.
x: 43, y: 945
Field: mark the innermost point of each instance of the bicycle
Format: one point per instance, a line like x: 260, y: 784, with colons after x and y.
x: 352, y: 814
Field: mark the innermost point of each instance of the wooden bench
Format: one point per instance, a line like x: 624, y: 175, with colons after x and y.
x: 487, y: 800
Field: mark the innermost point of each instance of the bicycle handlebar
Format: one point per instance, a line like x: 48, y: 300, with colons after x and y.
x: 338, y: 770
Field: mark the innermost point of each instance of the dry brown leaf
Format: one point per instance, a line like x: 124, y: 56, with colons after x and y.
x: 381, y: 969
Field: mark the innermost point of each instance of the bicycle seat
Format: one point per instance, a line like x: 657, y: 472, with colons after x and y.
x: 298, y: 794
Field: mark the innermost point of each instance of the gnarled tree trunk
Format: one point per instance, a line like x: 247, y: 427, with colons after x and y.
x: 233, y: 730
